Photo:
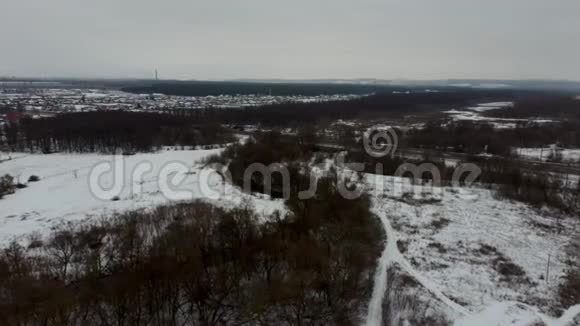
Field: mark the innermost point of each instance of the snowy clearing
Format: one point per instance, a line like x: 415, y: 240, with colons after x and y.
x: 491, y: 106
x: 63, y: 193
x: 474, y: 114
x: 546, y: 153
x: 472, y: 251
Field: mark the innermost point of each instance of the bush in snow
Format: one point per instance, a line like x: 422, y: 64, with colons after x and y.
x: 6, y: 185
x: 35, y: 241
x: 20, y: 186
x: 34, y: 178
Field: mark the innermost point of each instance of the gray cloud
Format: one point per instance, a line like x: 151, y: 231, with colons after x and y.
x: 423, y: 39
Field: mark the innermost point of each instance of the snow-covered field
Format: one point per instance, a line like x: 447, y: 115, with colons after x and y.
x: 543, y: 154
x: 63, y: 193
x: 491, y: 106
x: 474, y: 114
x: 476, y: 253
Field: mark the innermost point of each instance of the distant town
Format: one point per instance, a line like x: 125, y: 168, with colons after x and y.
x: 37, y: 102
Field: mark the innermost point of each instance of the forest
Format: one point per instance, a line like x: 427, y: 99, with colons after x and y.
x: 476, y: 138
x: 507, y: 178
x: 197, y: 264
x: 111, y: 132
x: 380, y: 105
x: 209, y: 88
x: 547, y: 106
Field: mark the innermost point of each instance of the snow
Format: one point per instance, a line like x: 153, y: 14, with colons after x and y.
x: 63, y: 194
x: 568, y: 155
x: 349, y: 123
x: 459, y: 275
x: 500, y: 314
x: 480, y: 85
x: 391, y: 255
x: 497, y: 104
x: 95, y: 94
x: 460, y: 85
x: 375, y: 310
x: 492, y: 85
x: 491, y: 106
x: 517, y: 314
x: 446, y: 260
x: 76, y: 99
x: 474, y: 114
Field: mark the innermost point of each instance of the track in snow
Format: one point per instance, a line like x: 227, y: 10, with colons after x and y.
x: 375, y: 310
x: 391, y: 255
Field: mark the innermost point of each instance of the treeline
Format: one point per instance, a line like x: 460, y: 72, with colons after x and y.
x: 555, y: 106
x: 394, y: 166
x: 507, y: 178
x: 374, y: 106
x: 110, y: 132
x: 196, y: 264
x: 476, y: 138
x: 209, y: 88
x: 459, y: 136
x: 268, y: 149
x: 535, y: 187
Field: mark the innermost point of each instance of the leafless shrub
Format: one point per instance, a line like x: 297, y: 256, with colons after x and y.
x: 438, y: 246
x: 508, y: 270
x: 33, y: 178
x: 570, y: 288
x: 407, y: 303
x: 7, y: 186
x: 440, y: 223
x: 35, y: 241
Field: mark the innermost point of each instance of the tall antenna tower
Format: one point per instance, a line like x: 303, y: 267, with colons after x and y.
x: 156, y: 75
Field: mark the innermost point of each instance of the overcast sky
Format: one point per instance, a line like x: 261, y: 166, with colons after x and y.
x: 294, y: 39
